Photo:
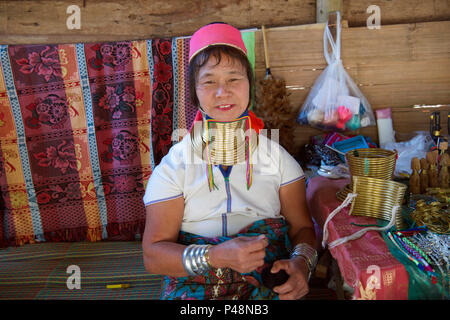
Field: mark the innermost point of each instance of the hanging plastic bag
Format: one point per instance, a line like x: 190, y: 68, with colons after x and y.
x: 335, y: 103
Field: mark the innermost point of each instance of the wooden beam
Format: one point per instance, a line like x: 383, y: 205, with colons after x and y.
x: 103, y: 20
x: 44, y: 21
x: 325, y: 7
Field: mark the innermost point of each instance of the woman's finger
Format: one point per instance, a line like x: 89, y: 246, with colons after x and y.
x: 255, y: 243
x: 286, y: 287
x: 257, y: 255
x: 296, y: 289
x: 294, y: 294
x: 280, y: 265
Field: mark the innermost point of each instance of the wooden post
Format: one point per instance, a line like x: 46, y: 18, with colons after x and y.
x: 324, y: 7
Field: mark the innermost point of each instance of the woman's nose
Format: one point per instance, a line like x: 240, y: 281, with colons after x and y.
x: 222, y: 90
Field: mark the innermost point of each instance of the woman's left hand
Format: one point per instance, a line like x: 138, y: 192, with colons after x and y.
x: 297, y: 285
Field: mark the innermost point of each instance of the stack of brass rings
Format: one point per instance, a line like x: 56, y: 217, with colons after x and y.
x: 377, y: 198
x: 369, y: 162
x: 227, y: 141
x: 372, y: 162
x: 434, y: 216
x: 440, y: 194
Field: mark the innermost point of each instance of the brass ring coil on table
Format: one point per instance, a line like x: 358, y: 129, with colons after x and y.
x: 377, y: 197
x: 371, y: 162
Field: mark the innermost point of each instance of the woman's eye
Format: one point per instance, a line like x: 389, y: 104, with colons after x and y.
x: 234, y: 79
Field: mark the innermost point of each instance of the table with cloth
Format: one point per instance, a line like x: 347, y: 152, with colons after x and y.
x: 370, y: 265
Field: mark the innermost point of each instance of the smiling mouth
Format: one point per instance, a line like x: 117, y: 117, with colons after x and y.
x: 225, y: 107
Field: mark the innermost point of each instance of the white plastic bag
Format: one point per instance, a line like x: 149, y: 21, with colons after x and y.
x: 335, y: 102
x: 417, y: 147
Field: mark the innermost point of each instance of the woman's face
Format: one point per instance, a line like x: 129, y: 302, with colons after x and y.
x: 223, y: 89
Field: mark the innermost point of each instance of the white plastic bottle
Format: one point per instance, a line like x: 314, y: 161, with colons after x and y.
x: 386, y: 132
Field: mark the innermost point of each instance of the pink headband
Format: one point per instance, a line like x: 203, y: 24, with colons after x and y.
x: 215, y: 34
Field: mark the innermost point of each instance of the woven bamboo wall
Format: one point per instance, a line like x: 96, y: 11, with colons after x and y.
x: 397, y: 66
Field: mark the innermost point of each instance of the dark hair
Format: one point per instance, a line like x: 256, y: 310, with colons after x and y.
x: 218, y: 51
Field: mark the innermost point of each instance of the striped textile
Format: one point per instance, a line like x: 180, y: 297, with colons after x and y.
x: 75, y: 140
x: 40, y: 271
x: 81, y: 128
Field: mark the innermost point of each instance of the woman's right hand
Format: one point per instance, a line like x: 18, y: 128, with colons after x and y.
x: 242, y: 254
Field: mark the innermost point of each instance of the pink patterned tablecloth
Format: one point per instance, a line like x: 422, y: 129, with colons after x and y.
x: 366, y: 263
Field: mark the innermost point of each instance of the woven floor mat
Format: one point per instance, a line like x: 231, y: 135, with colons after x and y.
x: 50, y: 271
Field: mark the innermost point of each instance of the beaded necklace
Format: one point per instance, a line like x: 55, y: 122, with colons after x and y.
x: 413, y: 252
x: 437, y: 247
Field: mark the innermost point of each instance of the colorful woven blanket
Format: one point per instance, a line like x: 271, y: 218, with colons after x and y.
x: 225, y: 283
x: 81, y: 127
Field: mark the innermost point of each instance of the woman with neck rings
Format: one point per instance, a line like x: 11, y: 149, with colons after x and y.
x: 226, y: 206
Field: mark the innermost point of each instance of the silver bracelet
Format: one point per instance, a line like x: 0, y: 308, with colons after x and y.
x: 307, y: 263
x: 196, y: 259
x: 204, y: 266
x: 187, y: 262
x: 308, y: 253
x: 191, y: 258
x: 198, y: 254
